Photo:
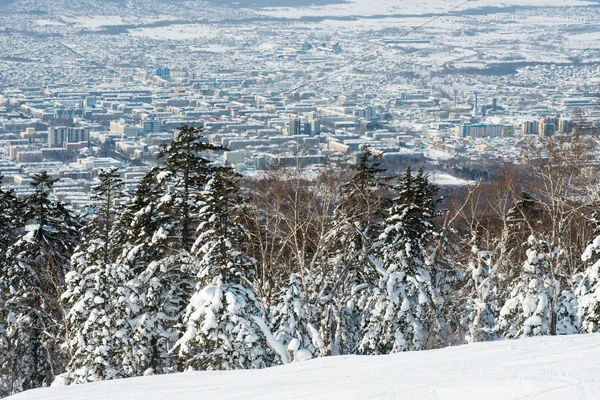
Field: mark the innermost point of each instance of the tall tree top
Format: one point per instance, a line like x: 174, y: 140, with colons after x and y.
x: 184, y: 154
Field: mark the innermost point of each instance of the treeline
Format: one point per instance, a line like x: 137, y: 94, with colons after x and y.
x: 201, y: 269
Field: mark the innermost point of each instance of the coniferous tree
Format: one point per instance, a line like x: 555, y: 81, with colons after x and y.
x: 588, y: 289
x: 34, y: 279
x: 98, y: 330
x: 406, y: 299
x: 220, y: 327
x: 11, y: 226
x: 186, y: 169
x: 348, y: 274
x: 480, y: 292
x: 161, y: 275
x: 291, y: 317
x: 157, y: 226
x: 528, y: 309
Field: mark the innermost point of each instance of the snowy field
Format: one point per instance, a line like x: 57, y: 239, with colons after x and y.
x: 563, y: 367
x: 176, y: 32
x: 414, y: 7
x: 442, y: 179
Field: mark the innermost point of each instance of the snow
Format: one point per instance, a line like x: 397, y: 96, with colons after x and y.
x: 560, y: 367
x: 442, y: 179
x: 176, y: 32
x: 275, y: 344
x: 412, y: 7
x: 97, y: 21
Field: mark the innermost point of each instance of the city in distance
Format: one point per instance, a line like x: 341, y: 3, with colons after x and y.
x: 238, y: 185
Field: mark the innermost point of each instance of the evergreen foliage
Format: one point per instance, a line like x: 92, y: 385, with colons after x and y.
x: 481, y: 297
x: 348, y: 274
x: 528, y: 310
x: 291, y: 318
x: 406, y: 299
x: 187, y: 170
x: 220, y: 330
x: 32, y: 283
x: 95, y: 294
x: 588, y: 290
x: 163, y: 278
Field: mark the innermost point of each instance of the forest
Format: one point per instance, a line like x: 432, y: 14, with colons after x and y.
x: 202, y: 269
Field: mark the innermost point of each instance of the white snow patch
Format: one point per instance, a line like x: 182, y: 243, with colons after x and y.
x: 442, y: 179
x: 559, y: 367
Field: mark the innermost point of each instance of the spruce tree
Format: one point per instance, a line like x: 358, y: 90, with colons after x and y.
x: 161, y: 275
x: 220, y: 329
x: 588, y: 289
x: 32, y: 283
x: 187, y: 169
x: 479, y: 297
x: 98, y: 330
x: 11, y: 228
x: 347, y: 275
x: 528, y: 309
x: 405, y: 301
x: 291, y: 317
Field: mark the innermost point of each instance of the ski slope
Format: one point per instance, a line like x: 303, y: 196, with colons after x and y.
x: 564, y: 367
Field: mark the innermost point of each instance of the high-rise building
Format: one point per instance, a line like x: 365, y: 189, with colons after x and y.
x: 306, y: 129
x: 163, y: 72
x: 548, y: 126
x: 480, y: 130
x: 530, y: 128
x: 58, y: 135
x: 294, y: 127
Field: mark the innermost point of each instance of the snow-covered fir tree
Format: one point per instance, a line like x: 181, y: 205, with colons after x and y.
x: 588, y: 289
x: 159, y: 222
x: 344, y: 282
x: 480, y: 292
x: 11, y: 226
x: 32, y: 282
x: 221, y: 331
x: 95, y: 295
x: 528, y: 309
x: 290, y: 319
x: 186, y: 170
x: 567, y: 319
x: 161, y: 275
x: 405, y: 302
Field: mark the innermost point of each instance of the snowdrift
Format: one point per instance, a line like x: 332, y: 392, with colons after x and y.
x: 564, y: 367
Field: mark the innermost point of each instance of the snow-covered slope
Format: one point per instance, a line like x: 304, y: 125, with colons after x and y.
x: 565, y: 367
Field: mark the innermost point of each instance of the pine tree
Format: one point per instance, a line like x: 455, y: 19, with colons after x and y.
x: 588, y: 289
x: 161, y: 277
x: 528, y: 310
x: 221, y: 332
x: 480, y: 292
x: 347, y: 275
x: 32, y: 283
x: 187, y: 169
x: 95, y: 294
x: 290, y: 318
x: 406, y: 299
x: 11, y: 227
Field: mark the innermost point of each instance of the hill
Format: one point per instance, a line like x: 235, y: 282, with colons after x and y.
x: 549, y: 367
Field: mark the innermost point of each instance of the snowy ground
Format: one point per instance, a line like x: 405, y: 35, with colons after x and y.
x: 442, y: 179
x: 415, y: 7
x: 564, y: 367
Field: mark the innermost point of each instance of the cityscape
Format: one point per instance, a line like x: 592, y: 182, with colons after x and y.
x: 299, y: 199
x: 87, y: 85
